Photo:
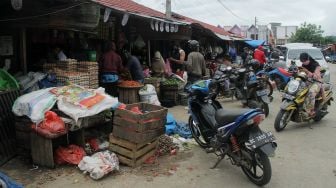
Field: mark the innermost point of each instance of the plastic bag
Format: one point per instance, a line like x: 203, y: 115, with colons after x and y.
x: 76, y: 112
x: 170, y: 124
x: 148, y: 95
x: 168, y: 70
x: 99, y: 164
x: 5, y: 182
x: 34, y: 104
x: 72, y: 154
x: 52, y: 123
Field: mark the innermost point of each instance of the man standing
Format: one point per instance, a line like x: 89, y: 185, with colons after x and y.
x: 259, y: 55
x: 178, y: 54
x: 195, y: 65
x: 110, y: 66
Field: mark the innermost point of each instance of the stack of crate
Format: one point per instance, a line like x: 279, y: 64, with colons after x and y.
x: 91, y: 68
x: 68, y: 65
x: 78, y: 78
x: 70, y: 71
x: 135, y: 136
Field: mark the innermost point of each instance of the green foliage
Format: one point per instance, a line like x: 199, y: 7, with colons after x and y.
x: 308, y: 33
x: 330, y: 40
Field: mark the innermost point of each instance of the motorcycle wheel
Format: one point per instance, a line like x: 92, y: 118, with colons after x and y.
x: 261, y: 105
x: 319, y: 116
x: 259, y: 164
x: 268, y: 86
x: 197, y: 135
x: 281, y: 120
x: 265, y: 109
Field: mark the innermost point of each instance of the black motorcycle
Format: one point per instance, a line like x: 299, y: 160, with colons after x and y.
x: 251, y: 90
x: 225, y: 81
x: 232, y: 133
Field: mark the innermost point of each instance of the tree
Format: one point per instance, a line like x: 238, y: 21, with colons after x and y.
x: 308, y: 33
x: 329, y: 39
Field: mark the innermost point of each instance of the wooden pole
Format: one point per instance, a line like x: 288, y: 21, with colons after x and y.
x: 149, y: 53
x: 23, y: 45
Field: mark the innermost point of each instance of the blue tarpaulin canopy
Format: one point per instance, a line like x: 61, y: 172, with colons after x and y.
x: 255, y: 43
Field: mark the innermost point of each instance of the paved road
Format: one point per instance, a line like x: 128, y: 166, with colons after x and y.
x: 305, y: 158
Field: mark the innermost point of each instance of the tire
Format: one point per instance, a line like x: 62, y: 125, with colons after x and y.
x: 269, y: 87
x: 319, y: 116
x: 265, y: 108
x: 278, y: 124
x: 197, y: 135
x: 260, y: 158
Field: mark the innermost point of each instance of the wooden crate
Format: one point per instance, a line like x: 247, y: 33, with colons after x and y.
x: 132, y: 154
x: 137, y: 137
x: 22, y: 131
x: 153, y: 118
x: 169, y: 94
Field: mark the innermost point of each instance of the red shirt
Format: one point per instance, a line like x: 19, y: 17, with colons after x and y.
x: 110, y: 62
x: 260, y: 56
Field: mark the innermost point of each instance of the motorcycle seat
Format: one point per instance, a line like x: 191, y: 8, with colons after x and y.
x: 224, y: 116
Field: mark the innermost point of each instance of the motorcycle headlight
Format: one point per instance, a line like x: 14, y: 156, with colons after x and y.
x: 293, y: 86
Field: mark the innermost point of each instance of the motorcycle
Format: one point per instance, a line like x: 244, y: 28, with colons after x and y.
x: 232, y: 133
x: 279, y: 75
x: 251, y: 90
x: 293, y: 99
x: 224, y: 81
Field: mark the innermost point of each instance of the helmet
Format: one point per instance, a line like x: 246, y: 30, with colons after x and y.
x: 193, y: 44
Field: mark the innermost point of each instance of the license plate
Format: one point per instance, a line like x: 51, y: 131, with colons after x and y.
x: 261, y: 139
x: 287, y: 96
x: 262, y: 92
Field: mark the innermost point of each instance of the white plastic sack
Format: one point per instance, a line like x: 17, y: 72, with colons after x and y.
x: 76, y: 112
x: 34, y: 104
x: 99, y: 164
x: 148, y: 95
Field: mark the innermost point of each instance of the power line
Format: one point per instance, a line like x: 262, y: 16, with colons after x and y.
x: 234, y: 14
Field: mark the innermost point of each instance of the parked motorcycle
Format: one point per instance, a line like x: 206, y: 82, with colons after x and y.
x: 232, y: 133
x: 250, y: 90
x: 279, y: 75
x: 225, y: 81
x: 293, y: 99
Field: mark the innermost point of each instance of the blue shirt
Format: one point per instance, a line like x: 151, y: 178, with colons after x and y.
x: 135, y: 68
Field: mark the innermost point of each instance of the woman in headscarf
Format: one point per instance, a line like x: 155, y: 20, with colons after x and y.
x: 158, y: 65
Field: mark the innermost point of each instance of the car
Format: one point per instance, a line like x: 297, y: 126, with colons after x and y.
x: 293, y: 51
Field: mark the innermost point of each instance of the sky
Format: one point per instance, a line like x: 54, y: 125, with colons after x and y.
x: 243, y: 12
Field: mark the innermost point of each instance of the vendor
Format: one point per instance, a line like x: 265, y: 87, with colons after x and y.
x: 158, y: 65
x: 110, y: 66
x: 133, y: 65
x: 56, y: 54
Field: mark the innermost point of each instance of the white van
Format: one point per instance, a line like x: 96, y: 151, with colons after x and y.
x: 293, y: 51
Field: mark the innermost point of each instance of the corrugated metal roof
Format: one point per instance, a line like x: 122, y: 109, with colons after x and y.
x: 136, y: 8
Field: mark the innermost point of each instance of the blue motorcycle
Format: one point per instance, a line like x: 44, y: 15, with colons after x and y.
x: 232, y: 133
x: 277, y: 74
